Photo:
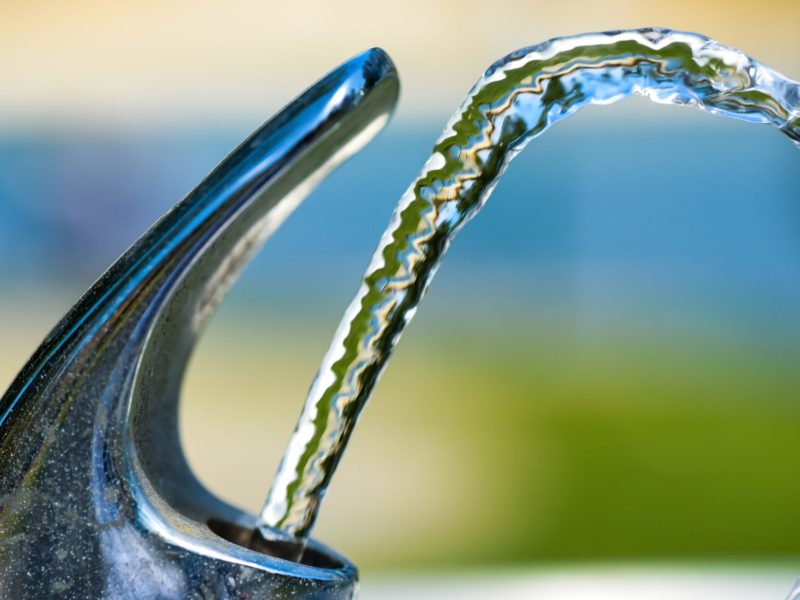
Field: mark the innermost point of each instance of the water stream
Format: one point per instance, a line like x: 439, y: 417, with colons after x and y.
x: 517, y: 99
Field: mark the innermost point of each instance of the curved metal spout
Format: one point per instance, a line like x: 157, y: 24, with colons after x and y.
x: 96, y: 498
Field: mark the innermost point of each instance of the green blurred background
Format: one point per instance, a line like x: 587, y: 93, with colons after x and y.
x: 606, y: 366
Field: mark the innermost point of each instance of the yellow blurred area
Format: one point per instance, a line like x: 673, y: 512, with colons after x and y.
x: 99, y: 64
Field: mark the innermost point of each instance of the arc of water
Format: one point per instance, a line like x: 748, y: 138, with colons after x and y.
x: 517, y: 99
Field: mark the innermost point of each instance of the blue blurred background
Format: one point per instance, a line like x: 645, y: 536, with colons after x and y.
x: 605, y: 368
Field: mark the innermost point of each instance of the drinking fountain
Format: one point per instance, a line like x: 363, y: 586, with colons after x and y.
x: 96, y: 497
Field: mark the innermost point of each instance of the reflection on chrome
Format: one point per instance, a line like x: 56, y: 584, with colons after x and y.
x: 96, y: 499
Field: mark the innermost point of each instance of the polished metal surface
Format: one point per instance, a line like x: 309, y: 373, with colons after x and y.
x: 96, y: 498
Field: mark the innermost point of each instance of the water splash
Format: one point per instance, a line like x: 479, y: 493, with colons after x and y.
x: 795, y: 593
x: 517, y: 99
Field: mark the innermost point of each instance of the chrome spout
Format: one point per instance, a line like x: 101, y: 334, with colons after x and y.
x: 96, y: 498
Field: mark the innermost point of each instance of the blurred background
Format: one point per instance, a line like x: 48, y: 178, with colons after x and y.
x: 605, y: 369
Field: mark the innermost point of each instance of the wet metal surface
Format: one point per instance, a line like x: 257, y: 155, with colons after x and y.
x: 96, y: 498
